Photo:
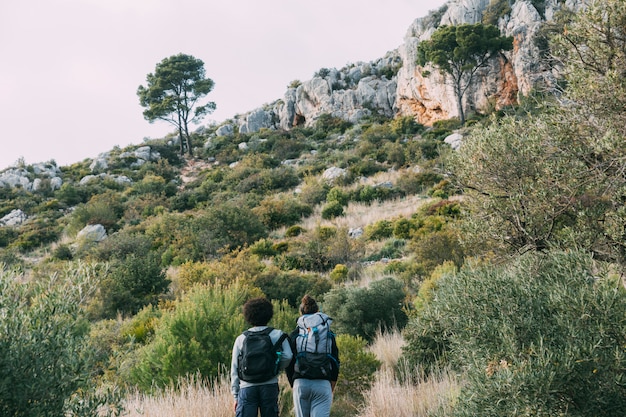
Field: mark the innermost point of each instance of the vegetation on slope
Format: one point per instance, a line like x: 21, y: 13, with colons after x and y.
x: 521, y: 231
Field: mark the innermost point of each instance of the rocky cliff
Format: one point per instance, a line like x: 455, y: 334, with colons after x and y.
x: 394, y: 85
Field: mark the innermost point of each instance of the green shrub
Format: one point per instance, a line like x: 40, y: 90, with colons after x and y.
x: 331, y: 210
x: 313, y: 191
x: 133, y: 283
x: 496, y: 10
x: 412, y: 183
x: 377, y: 134
x: 356, y: 374
x: 46, y: 362
x: 7, y: 235
x: 62, y: 253
x: 263, y: 248
x: 336, y: 194
x: 402, y: 228
x: 35, y: 234
x: 339, y: 273
x: 434, y: 248
x: 544, y: 334
x: 380, y: 230
x: 293, y: 231
x: 105, y: 209
x: 364, y: 311
x: 365, y: 168
x: 275, y: 212
x: 393, y: 248
x: 290, y: 285
x: 405, y: 126
x: 196, y: 337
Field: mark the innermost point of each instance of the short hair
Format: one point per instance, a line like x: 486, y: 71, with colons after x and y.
x: 308, y: 305
x: 258, y: 311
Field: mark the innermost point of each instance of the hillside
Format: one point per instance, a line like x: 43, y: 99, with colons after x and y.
x: 489, y: 254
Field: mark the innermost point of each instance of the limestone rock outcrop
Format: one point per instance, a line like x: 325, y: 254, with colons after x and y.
x: 395, y: 85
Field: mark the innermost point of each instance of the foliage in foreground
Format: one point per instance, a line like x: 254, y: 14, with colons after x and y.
x: 541, y: 337
x: 46, y: 363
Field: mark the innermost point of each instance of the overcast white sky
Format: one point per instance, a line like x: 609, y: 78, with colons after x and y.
x: 69, y: 69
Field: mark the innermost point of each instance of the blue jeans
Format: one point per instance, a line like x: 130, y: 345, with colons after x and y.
x: 258, y: 397
x: 312, y: 397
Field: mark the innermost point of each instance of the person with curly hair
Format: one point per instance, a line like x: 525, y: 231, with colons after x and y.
x: 254, y: 389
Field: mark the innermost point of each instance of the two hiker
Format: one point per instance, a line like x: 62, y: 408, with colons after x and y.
x: 309, y: 355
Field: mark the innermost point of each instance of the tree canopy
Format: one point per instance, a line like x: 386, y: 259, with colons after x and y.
x: 459, y: 51
x: 173, y: 92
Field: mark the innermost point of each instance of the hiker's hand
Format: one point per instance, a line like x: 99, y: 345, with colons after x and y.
x: 235, y: 406
x: 332, y: 385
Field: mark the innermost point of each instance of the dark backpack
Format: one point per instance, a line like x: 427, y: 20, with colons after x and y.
x: 314, y: 347
x: 259, y: 358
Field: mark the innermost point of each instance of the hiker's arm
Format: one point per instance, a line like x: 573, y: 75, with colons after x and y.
x: 287, y: 354
x: 335, y: 371
x: 234, y: 374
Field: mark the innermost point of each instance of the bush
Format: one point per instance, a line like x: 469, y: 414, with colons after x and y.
x: 336, y: 194
x: 412, y: 183
x: 133, y: 283
x: 356, y: 374
x: 380, y: 230
x: 62, y: 253
x: 46, y: 362
x: 364, y: 311
x: 291, y: 285
x: 196, y: 337
x: 293, y: 231
x: 405, y: 126
x: 331, y: 210
x: 339, y: 273
x: 544, y: 335
x: 437, y: 247
x: 275, y: 212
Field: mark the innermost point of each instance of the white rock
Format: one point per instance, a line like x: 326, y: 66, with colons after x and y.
x: 332, y: 173
x: 14, y: 218
x: 454, y: 140
x: 92, y: 233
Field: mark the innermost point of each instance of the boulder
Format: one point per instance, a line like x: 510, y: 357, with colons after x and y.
x: 225, y: 130
x: 333, y: 173
x: 147, y: 154
x: 92, y: 233
x: 454, y: 140
x: 14, y: 218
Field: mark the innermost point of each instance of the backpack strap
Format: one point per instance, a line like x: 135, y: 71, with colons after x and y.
x: 280, y: 341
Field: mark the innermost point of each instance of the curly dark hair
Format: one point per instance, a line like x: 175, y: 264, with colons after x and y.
x: 258, y: 311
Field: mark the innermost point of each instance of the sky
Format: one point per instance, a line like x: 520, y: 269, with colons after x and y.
x: 69, y: 69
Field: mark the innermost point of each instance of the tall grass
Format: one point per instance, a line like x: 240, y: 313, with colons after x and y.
x: 387, y: 348
x: 193, y: 397
x: 390, y: 396
x: 362, y: 214
x: 395, y: 392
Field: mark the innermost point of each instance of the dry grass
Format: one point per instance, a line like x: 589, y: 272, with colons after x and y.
x: 388, y: 348
x: 194, y: 398
x: 389, y: 396
x: 361, y: 214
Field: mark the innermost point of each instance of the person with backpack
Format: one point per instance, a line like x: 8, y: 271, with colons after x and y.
x: 314, y: 370
x: 259, y: 354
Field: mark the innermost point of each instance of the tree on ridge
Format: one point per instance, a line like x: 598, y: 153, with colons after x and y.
x: 172, y: 94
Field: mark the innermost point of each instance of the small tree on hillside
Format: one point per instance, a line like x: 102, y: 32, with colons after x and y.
x: 459, y: 51
x: 172, y: 94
